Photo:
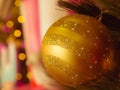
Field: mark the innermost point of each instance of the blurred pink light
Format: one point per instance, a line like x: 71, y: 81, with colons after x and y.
x: 32, y: 25
x: 29, y: 87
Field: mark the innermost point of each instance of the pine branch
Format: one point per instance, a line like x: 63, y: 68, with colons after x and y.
x: 84, y: 7
x: 111, y: 22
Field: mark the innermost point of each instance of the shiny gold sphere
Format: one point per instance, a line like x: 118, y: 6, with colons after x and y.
x: 76, y: 49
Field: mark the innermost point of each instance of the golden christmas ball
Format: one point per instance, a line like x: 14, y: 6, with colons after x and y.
x: 76, y: 49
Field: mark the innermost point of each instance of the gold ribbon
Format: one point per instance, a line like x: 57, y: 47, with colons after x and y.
x: 67, y: 33
x: 63, y: 54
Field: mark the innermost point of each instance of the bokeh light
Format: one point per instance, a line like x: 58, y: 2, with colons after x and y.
x: 22, y: 56
x: 17, y: 3
x: 21, y: 19
x: 10, y: 24
x: 17, y: 33
x: 19, y: 76
x: 28, y: 75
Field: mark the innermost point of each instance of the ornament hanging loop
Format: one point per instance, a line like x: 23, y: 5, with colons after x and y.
x: 100, y: 16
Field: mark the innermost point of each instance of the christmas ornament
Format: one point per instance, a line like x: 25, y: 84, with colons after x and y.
x: 77, y: 49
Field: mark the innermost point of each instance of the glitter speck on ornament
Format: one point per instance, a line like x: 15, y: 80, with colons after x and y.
x: 87, y: 20
x: 88, y: 31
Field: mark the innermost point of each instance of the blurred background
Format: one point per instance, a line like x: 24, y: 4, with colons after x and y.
x: 13, y: 57
x: 23, y: 24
